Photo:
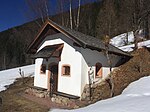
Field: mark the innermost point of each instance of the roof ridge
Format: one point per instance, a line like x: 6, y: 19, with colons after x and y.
x: 84, y: 40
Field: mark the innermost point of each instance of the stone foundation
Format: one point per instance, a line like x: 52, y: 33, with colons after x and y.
x: 65, y: 101
x: 70, y: 103
x: 99, y: 91
x: 37, y: 92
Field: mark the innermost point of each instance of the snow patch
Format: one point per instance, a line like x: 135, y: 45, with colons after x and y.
x: 7, y: 77
x: 135, y: 98
x: 122, y: 39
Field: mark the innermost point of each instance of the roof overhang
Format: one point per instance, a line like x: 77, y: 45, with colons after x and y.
x: 32, y: 48
x: 49, y: 51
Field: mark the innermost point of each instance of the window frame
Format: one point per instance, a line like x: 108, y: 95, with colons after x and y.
x: 43, y: 72
x: 63, y: 70
x: 101, y: 70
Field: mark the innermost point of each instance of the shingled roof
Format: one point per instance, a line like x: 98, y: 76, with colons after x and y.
x: 81, y: 39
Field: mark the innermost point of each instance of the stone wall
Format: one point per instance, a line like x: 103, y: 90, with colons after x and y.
x: 67, y: 102
x: 37, y: 92
x: 71, y: 103
x: 98, y: 92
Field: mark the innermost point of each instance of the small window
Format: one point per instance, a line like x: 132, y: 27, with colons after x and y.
x: 43, y: 69
x: 66, y: 70
x: 98, y: 72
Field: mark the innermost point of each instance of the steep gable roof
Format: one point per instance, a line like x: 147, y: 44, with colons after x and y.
x: 79, y: 38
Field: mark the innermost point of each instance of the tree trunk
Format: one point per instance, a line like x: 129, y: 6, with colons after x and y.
x: 46, y: 8
x: 111, y: 83
x: 78, y: 15
x: 4, y: 63
x: 71, y: 26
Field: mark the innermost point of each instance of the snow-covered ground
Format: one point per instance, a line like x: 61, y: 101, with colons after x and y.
x: 129, y: 48
x: 120, y: 41
x: 7, y: 77
x: 135, y: 98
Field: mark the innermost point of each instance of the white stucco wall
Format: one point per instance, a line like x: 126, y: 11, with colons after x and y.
x: 89, y: 60
x: 71, y: 56
x: 40, y: 80
x: 80, y: 61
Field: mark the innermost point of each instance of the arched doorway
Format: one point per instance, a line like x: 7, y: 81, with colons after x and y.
x: 53, y: 77
x: 98, y: 71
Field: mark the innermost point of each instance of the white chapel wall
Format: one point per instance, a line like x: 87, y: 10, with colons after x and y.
x: 40, y: 79
x: 90, y: 58
x: 80, y: 61
x: 71, y: 56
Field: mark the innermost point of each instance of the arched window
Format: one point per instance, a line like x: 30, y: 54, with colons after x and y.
x: 43, y: 69
x: 66, y: 70
x: 98, y: 71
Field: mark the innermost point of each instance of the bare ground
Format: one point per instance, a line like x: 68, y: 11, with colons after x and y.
x: 134, y: 69
x: 13, y: 101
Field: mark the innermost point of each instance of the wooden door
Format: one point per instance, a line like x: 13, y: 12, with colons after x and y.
x: 54, y: 78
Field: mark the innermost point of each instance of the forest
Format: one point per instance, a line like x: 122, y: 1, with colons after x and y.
x: 98, y: 19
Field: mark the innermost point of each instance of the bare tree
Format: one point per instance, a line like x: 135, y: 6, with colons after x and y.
x: 140, y: 16
x: 137, y: 24
x: 111, y: 83
x: 38, y: 9
x: 70, y: 13
x: 60, y: 9
x: 77, y: 19
x: 74, y: 12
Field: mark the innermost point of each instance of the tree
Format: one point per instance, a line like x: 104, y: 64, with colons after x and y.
x: 106, y: 21
x: 38, y: 9
x: 74, y: 17
x: 74, y: 7
x: 70, y: 13
x: 140, y: 19
x: 111, y: 83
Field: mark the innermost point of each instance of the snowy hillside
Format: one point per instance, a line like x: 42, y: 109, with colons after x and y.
x: 7, y: 77
x: 129, y: 48
x: 120, y: 41
x: 135, y: 98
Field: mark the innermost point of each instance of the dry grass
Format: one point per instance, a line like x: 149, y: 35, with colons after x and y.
x: 134, y: 69
x: 14, y: 102
x: 127, y: 73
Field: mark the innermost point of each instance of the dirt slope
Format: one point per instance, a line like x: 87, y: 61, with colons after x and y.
x: 135, y: 68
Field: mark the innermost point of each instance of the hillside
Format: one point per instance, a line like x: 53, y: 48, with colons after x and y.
x: 13, y: 45
x: 107, y: 17
x: 137, y: 67
x: 136, y: 94
x: 135, y: 98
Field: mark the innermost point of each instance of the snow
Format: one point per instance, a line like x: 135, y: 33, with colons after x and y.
x: 7, y: 77
x: 121, y: 40
x: 129, y: 48
x: 135, y: 98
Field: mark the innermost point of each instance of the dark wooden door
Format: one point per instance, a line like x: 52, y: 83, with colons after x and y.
x: 54, y: 77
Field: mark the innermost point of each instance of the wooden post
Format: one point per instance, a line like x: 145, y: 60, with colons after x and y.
x: 1, y: 102
x: 90, y: 74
